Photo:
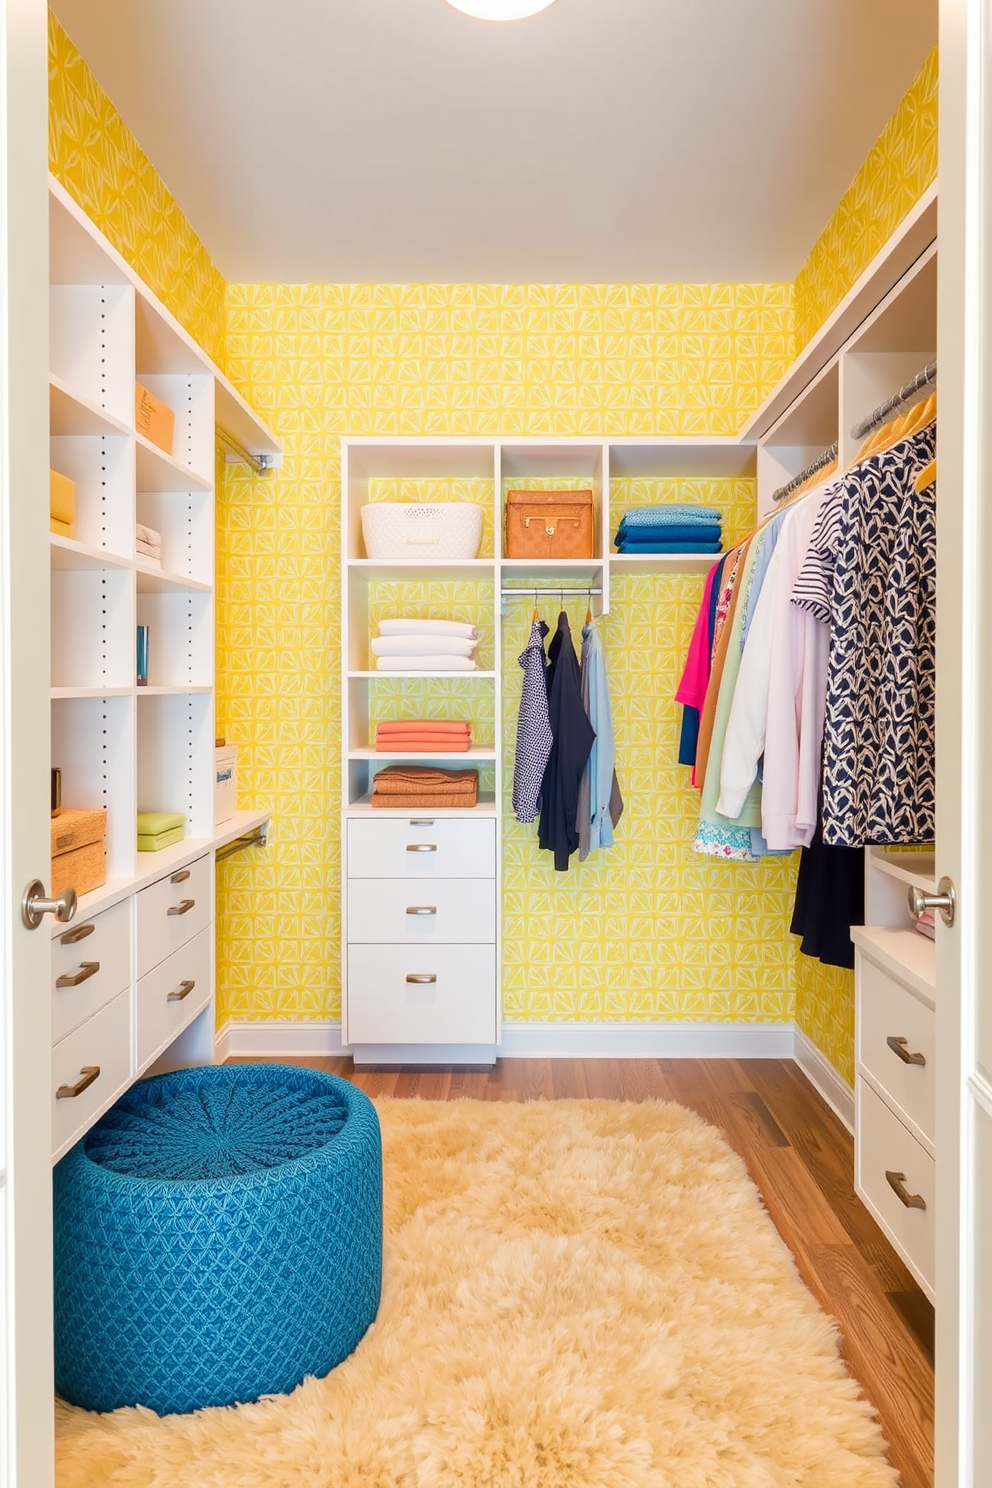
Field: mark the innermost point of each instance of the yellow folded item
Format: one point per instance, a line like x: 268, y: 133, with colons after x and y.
x: 61, y: 497
x: 162, y: 839
x: 62, y: 529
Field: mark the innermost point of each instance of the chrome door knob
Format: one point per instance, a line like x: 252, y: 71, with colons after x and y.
x: 945, y: 901
x: 34, y: 905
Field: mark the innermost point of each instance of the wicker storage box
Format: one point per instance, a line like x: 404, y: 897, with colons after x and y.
x: 79, y: 849
x: 549, y: 524
x: 403, y: 529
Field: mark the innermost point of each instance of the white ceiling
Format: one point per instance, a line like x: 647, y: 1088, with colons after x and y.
x: 604, y: 140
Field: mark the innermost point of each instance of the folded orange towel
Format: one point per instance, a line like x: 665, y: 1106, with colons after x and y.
x: 397, y: 744
x: 432, y: 725
x: 424, y: 735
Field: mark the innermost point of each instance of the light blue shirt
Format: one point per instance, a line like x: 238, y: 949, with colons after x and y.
x: 594, y: 821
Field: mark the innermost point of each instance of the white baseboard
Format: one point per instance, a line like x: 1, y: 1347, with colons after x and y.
x: 823, y: 1077
x: 267, y: 1040
x: 646, y: 1041
x: 264, y: 1039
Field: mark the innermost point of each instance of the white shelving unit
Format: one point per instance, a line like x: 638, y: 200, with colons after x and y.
x: 878, y: 339
x: 120, y: 746
x: 406, y: 1023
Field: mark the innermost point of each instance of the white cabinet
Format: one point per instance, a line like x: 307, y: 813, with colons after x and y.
x: 895, y: 1060
x: 452, y: 858
x: 120, y: 746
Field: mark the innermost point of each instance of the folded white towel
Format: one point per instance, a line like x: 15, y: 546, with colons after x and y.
x: 409, y: 645
x: 428, y: 627
x: 150, y: 555
x: 147, y: 535
x: 425, y: 664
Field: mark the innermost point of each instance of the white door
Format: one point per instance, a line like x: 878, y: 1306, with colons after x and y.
x: 964, y: 751
x: 25, y: 1117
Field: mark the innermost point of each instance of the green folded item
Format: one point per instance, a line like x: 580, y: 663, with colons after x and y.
x: 155, y: 843
x: 151, y: 823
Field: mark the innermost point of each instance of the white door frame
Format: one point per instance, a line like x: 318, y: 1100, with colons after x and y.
x: 964, y: 752
x: 26, y: 1452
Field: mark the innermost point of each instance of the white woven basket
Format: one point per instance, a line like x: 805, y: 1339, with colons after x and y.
x: 401, y: 529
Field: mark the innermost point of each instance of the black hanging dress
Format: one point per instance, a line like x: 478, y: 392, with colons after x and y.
x: 573, y: 735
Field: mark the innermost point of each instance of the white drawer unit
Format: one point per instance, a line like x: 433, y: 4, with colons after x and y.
x: 448, y: 911
x: 422, y: 846
x: 895, y: 1178
x: 422, y: 994
x: 171, y: 911
x: 171, y: 996
x: 90, y: 1069
x: 896, y: 1047
x: 91, y: 964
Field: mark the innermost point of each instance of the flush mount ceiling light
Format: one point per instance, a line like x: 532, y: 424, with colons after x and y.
x: 500, y: 10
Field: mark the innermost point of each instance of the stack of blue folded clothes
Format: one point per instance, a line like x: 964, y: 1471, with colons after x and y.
x: 670, y: 529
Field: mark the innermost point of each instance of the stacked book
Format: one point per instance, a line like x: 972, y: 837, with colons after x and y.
x: 421, y: 788
x: 148, y: 544
x: 425, y: 646
x: 670, y: 529
x: 423, y: 736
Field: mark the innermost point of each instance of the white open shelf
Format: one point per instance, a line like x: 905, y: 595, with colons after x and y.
x: 70, y: 412
x: 157, y: 471
x: 910, y: 868
x: 425, y: 676
x: 70, y: 556
x: 152, y: 580
x: 905, y: 954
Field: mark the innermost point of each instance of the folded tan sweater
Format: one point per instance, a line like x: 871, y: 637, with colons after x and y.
x: 435, y: 781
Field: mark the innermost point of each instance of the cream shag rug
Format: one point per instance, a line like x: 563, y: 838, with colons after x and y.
x: 577, y: 1294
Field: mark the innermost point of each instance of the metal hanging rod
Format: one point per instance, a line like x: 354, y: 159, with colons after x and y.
x: 259, y: 463
x: 916, y: 385
x: 828, y: 456
x: 554, y: 589
x: 256, y: 838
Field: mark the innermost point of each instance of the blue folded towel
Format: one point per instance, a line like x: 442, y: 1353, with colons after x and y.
x: 673, y: 547
x: 671, y: 515
x: 684, y: 532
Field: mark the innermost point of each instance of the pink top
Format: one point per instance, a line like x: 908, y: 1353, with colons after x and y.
x: 698, y: 663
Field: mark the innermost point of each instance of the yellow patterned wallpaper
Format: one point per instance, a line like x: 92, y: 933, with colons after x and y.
x: 652, y: 930
x: 100, y: 163
x: 901, y: 165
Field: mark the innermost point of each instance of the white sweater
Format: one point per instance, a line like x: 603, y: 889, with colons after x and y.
x: 780, y: 697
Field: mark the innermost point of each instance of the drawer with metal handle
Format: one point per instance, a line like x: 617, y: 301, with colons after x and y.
x: 171, y: 912
x: 896, y: 1179
x: 90, y: 1069
x: 437, y: 994
x: 170, y: 996
x: 896, y: 1047
x: 422, y: 846
x: 91, y: 964
x: 391, y: 911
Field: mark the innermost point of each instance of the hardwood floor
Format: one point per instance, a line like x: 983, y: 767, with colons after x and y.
x: 801, y: 1159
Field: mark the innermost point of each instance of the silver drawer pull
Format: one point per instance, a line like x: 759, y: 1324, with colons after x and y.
x: 87, y: 1075
x: 897, y: 1183
x: 183, y: 907
x: 898, y: 1047
x: 421, y: 847
x: 180, y: 877
x: 421, y: 977
x: 424, y: 822
x: 87, y: 969
x: 183, y: 990
x: 421, y: 909
x: 73, y: 937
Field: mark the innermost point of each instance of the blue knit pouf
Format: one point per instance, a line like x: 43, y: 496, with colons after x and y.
x: 218, y: 1236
